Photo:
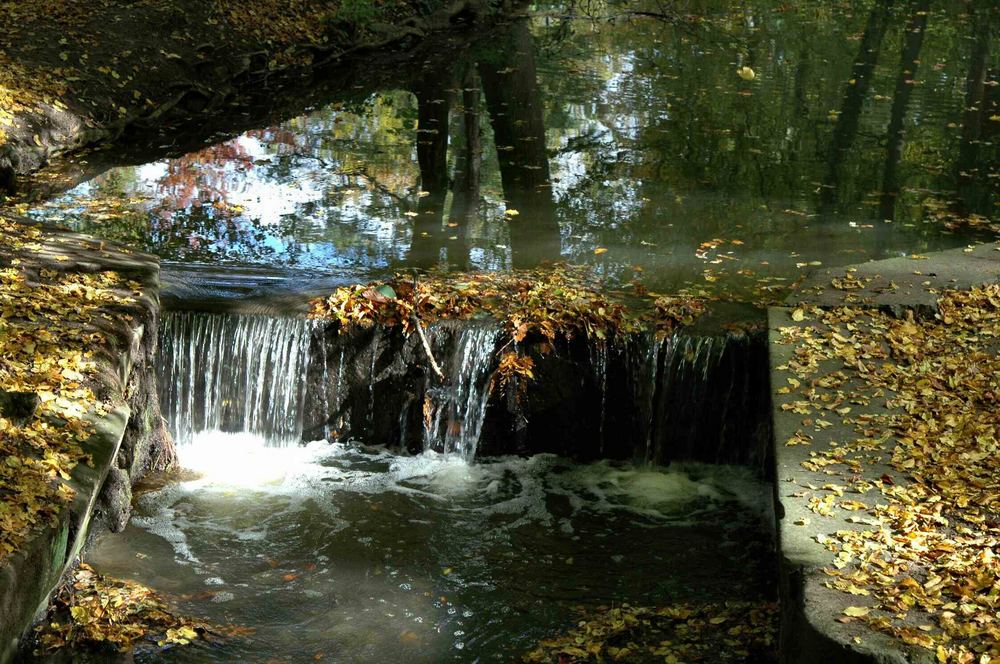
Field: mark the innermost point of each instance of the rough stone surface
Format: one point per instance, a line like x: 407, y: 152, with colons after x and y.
x: 904, y: 283
x: 128, y: 441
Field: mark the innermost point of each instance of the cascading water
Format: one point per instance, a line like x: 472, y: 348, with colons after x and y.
x: 235, y: 373
x: 454, y: 414
x: 599, y: 363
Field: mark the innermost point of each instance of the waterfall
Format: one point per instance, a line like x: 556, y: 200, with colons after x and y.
x: 236, y: 373
x: 655, y: 379
x: 599, y: 364
x: 454, y: 414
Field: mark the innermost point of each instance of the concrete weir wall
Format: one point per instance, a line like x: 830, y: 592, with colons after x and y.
x: 698, y: 395
x: 129, y: 438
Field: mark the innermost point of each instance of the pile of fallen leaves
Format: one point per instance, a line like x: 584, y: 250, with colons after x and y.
x: 672, y: 311
x: 925, y: 566
x: 545, y: 304
x: 560, y: 301
x: 47, y: 353
x: 715, y: 633
x: 95, y: 611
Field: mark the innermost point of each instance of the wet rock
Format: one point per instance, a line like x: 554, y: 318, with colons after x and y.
x: 115, y: 504
x: 701, y: 397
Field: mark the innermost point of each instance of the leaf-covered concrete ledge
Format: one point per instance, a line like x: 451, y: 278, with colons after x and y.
x: 889, y: 459
x: 79, y: 417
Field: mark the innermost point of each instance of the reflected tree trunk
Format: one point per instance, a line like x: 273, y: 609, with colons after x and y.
x: 968, y: 172
x: 433, y: 104
x: 465, y: 190
x: 913, y: 41
x: 514, y: 102
x: 854, y: 97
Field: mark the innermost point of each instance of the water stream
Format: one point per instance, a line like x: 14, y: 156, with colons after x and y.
x: 237, y: 373
x: 367, y: 556
x: 454, y: 413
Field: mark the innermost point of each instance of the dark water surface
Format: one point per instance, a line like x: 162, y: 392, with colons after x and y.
x: 867, y: 130
x: 372, y: 557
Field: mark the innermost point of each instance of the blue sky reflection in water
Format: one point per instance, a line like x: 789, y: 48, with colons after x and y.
x: 867, y: 130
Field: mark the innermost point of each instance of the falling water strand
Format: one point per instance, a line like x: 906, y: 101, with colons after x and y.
x: 599, y: 361
x: 653, y: 362
x: 692, y: 358
x: 236, y: 373
x: 340, y: 380
x: 371, y: 379
x: 454, y: 422
x: 325, y: 391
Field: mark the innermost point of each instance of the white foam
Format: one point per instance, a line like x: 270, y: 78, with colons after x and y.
x: 506, y: 492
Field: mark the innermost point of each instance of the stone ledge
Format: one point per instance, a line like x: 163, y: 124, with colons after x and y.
x: 810, y: 632
x: 128, y: 429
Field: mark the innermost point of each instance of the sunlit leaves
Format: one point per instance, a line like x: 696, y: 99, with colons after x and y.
x: 48, y: 341
x: 730, y: 632
x: 95, y: 611
x: 927, y: 556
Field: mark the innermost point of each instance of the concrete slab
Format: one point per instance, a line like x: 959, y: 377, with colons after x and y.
x: 810, y: 631
x: 896, y: 284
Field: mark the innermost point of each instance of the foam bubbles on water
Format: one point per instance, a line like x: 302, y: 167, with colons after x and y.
x: 240, y: 473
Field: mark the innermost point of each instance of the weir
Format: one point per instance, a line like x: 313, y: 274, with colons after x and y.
x: 641, y: 398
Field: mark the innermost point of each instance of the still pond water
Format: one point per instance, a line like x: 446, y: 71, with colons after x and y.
x: 725, y: 150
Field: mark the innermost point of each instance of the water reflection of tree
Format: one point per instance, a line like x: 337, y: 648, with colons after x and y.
x: 971, y: 168
x: 658, y: 141
x: 777, y: 143
x: 855, y: 93
x: 509, y: 85
x: 202, y: 177
x: 913, y: 40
